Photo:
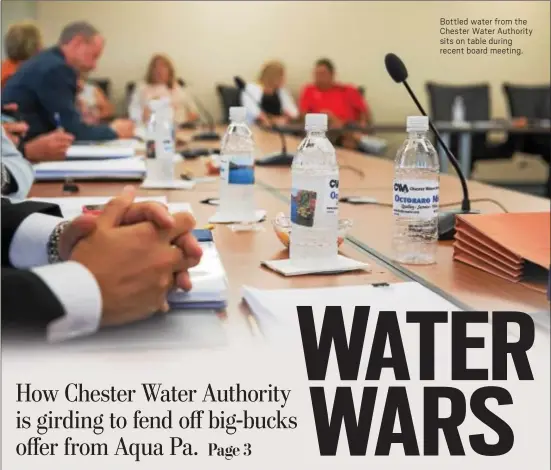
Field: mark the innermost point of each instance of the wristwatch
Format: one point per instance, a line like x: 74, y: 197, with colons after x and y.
x: 53, y: 242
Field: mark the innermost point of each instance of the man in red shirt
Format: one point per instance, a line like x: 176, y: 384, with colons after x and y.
x: 343, y: 104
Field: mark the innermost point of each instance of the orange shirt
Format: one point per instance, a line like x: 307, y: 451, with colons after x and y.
x: 9, y: 67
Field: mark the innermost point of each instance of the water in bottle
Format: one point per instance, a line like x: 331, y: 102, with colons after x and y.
x: 237, y: 169
x: 416, y: 196
x: 314, y: 196
x: 458, y: 110
x: 161, y: 166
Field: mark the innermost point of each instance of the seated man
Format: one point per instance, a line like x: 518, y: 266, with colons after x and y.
x: 45, y: 87
x: 74, y: 276
x: 343, y: 104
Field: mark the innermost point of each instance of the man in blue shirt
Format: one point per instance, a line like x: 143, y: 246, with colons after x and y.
x: 45, y: 87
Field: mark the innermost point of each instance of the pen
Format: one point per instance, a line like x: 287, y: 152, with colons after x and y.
x: 57, y: 120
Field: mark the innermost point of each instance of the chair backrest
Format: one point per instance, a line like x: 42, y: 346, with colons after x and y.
x: 532, y: 102
x: 229, y: 96
x: 476, y: 98
x: 104, y: 84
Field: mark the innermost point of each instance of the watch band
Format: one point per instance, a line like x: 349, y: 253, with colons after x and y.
x: 53, y: 243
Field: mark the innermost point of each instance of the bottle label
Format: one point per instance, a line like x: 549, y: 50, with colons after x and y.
x: 315, y: 201
x: 150, y: 148
x: 237, y: 169
x: 416, y: 198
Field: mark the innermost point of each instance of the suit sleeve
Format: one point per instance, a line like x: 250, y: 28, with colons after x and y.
x: 57, y: 95
x: 12, y: 217
x: 27, y: 300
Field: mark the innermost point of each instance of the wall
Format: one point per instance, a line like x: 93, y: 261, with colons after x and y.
x: 212, y: 41
x: 14, y: 11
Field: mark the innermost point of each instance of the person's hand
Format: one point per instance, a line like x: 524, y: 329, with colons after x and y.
x: 50, y: 146
x: 14, y: 130
x: 134, y: 265
x: 280, y: 121
x: 124, y: 128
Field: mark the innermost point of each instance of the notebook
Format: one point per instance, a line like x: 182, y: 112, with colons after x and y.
x: 117, y: 168
x: 209, y: 281
x: 512, y: 246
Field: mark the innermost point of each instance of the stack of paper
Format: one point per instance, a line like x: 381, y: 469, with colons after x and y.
x: 276, y: 310
x: 120, y: 168
x: 516, y: 247
x: 101, y: 151
x: 210, y: 286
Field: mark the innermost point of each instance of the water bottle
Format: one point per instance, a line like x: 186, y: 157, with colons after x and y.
x: 416, y: 196
x: 314, y: 196
x: 162, y: 128
x: 458, y: 110
x: 237, y: 169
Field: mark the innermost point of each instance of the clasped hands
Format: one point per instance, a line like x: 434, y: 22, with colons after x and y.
x: 137, y: 252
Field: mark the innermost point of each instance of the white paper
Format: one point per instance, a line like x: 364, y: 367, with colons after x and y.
x: 167, y: 184
x: 275, y: 310
x: 100, y: 152
x: 71, y: 207
x: 117, y: 168
x: 220, y: 218
x: 340, y: 264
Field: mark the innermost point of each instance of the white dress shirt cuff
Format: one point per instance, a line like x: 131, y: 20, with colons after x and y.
x: 29, y: 246
x: 79, y: 293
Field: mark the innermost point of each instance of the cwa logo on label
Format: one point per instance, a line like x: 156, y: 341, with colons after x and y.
x: 334, y: 189
x: 401, y: 187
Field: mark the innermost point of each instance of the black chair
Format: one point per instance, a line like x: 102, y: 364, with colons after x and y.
x: 104, y: 84
x: 229, y: 97
x: 477, y: 108
x: 533, y: 103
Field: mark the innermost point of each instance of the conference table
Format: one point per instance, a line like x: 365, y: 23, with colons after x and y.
x: 368, y: 240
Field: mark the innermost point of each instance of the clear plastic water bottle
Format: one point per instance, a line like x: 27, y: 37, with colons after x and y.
x: 458, y: 110
x: 416, y: 196
x: 314, y: 196
x: 237, y: 169
x: 164, y: 139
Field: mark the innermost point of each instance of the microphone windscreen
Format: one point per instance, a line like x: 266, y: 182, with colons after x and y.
x: 239, y: 83
x: 396, y: 68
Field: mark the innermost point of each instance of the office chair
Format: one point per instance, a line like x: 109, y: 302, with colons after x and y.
x: 229, y: 96
x: 534, y: 103
x: 477, y: 106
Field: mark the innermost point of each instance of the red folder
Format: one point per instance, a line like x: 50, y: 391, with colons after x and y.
x: 515, y: 246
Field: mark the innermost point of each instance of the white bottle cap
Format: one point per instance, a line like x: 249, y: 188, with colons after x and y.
x: 417, y: 124
x: 316, y: 122
x: 238, y: 114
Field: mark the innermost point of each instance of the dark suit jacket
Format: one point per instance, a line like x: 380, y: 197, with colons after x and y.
x: 26, y: 299
x: 45, y: 85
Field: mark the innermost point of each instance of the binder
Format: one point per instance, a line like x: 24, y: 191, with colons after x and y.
x: 512, y: 246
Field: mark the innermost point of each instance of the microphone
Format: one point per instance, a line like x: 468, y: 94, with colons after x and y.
x: 203, y: 135
x: 281, y: 158
x: 446, y: 220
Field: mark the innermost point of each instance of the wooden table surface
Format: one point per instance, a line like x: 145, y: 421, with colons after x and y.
x: 369, y: 240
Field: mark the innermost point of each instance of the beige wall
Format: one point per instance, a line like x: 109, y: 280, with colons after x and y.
x: 212, y: 41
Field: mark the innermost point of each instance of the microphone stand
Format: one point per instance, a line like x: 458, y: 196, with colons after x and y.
x: 211, y: 134
x: 446, y: 220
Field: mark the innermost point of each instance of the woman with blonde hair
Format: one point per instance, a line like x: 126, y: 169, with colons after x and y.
x: 22, y: 41
x: 161, y: 82
x: 268, y: 102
